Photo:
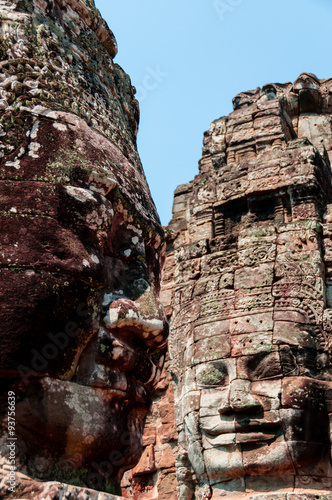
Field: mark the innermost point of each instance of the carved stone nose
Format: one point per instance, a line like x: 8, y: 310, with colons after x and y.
x: 239, y: 400
x: 148, y: 324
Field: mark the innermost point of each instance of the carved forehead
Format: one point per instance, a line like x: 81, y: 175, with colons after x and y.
x: 67, y: 151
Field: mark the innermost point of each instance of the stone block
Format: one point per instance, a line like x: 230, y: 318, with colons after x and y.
x: 191, y: 426
x: 191, y: 402
x: 212, y: 329
x: 254, y: 255
x: 228, y: 489
x: 248, y: 277
x: 293, y: 334
x: 303, y: 495
x: 149, y: 435
x: 146, y: 465
x: 211, y: 399
x: 313, y: 483
x: 196, y: 458
x: 223, y: 462
x: 298, y: 425
x: 329, y: 292
x: 219, y: 262
x: 267, y: 460
x: 251, y: 343
x: 191, y: 251
x: 212, y: 348
x: 259, y: 366
x: 249, y: 323
x: 167, y: 459
x: 218, y: 305
x: 254, y: 298
x: 269, y: 484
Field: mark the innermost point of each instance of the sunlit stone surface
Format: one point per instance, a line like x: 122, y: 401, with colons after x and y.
x: 248, y: 284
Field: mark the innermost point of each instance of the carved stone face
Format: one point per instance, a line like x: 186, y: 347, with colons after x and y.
x: 258, y: 408
x: 254, y: 421
x: 83, y: 332
x: 251, y: 322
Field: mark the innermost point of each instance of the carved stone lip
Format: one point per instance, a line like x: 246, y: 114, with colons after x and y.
x: 262, y: 428
x: 254, y: 437
x: 134, y: 360
x: 257, y: 426
x: 141, y: 396
x: 230, y: 439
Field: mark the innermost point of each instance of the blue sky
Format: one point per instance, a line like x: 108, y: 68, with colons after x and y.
x: 189, y: 58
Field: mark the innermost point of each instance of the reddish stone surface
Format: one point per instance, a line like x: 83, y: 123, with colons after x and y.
x: 83, y: 332
x: 154, y: 476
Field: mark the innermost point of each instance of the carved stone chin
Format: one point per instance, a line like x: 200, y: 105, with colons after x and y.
x: 250, y: 300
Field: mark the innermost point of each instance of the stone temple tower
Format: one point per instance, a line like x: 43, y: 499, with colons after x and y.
x: 247, y: 283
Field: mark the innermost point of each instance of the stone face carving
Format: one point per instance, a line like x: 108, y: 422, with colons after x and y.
x: 83, y: 333
x: 249, y: 246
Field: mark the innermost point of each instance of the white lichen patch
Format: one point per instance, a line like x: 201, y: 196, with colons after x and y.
x: 33, y: 149
x: 155, y: 326
x: 95, y: 259
x: 86, y: 263
x: 80, y: 194
x: 15, y: 164
x: 135, y: 229
x: 34, y: 130
x: 60, y: 126
x: 135, y: 240
x: 98, y: 221
x: 112, y: 316
x: 21, y: 152
x: 131, y: 314
x: 13, y: 210
x: 127, y: 252
x: 29, y: 272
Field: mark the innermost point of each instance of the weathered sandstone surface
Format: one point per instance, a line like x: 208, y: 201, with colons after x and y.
x: 83, y: 333
x: 248, y: 285
x: 154, y: 476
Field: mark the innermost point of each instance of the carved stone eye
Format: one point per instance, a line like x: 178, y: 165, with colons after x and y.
x: 264, y: 366
x: 212, y: 374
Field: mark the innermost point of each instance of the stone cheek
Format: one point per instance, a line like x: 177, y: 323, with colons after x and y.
x: 250, y: 325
